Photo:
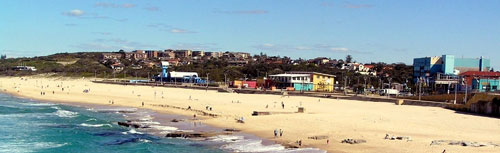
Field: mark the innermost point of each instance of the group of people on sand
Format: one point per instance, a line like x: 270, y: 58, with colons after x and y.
x: 208, y: 108
x: 278, y: 133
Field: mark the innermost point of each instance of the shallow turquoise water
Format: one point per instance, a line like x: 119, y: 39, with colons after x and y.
x: 33, y: 126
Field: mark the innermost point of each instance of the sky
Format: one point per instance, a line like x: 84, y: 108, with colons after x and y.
x: 370, y: 30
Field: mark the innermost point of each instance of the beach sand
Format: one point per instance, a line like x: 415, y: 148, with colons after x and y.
x: 337, y: 119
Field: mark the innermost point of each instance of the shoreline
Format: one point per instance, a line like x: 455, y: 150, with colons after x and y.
x: 324, y: 119
x: 163, y: 119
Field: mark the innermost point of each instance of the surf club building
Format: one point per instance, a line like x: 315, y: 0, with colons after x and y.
x: 304, y: 81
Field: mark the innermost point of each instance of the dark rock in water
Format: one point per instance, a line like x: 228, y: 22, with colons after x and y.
x: 353, y: 141
x: 107, y: 134
x: 133, y: 124
x: 232, y: 130
x: 190, y: 135
x: 123, y: 141
x: 174, y: 120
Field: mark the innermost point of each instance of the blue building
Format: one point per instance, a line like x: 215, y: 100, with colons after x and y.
x: 485, y: 85
x: 432, y: 68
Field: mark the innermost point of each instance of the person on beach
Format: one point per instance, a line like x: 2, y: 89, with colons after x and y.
x: 210, y: 108
x: 281, y: 133
x: 189, y: 107
x: 142, y: 104
x: 275, y: 133
x: 300, y: 142
x: 267, y: 106
x: 194, y: 116
x: 283, y: 105
x: 327, y: 141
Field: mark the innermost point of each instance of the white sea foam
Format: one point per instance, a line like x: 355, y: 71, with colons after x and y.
x: 164, y: 128
x: 145, y: 140
x: 236, y: 143
x: 92, y: 119
x: 112, y: 110
x: 65, y: 113
x: 95, y: 125
x: 38, y: 104
x: 132, y: 131
x: 21, y: 147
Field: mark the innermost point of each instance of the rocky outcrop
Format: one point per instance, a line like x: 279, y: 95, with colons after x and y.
x: 463, y: 143
x: 133, y: 124
x: 191, y: 134
x: 353, y: 141
x: 392, y: 137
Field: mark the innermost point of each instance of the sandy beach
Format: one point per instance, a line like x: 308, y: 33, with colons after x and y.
x: 332, y: 118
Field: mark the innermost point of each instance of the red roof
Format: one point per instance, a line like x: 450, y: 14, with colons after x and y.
x: 481, y: 73
x: 369, y: 66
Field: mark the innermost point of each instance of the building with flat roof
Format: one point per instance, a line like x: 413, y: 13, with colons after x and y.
x: 481, y: 81
x: 428, y: 67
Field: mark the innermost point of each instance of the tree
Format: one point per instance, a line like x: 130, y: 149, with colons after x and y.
x: 348, y: 59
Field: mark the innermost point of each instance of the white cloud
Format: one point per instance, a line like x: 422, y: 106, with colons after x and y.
x: 178, y: 30
x: 74, y: 13
x: 339, y: 49
x: 303, y: 48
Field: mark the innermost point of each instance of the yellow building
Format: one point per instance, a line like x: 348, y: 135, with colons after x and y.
x: 321, y: 81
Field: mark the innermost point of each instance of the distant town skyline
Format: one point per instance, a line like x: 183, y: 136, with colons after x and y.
x: 371, y: 31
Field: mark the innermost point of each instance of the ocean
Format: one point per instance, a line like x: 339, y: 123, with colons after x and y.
x: 35, y: 126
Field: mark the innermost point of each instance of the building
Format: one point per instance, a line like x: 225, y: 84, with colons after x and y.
x: 24, y: 68
x: 152, y: 53
x: 198, y: 53
x: 237, y: 62
x: 183, y: 53
x: 187, y: 77
x: 213, y: 54
x: 427, y: 68
x: 167, y: 54
x: 241, y: 55
x: 108, y: 56
x: 299, y: 82
x: 481, y: 81
x: 320, y: 81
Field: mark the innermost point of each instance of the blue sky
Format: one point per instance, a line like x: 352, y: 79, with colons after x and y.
x: 386, y: 30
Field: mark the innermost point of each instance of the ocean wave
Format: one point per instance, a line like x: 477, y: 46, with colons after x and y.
x: 38, y: 104
x: 238, y: 143
x: 132, y: 131
x: 95, y: 125
x: 116, y: 110
x: 92, y: 119
x: 18, y: 147
x: 65, y: 113
x: 164, y: 128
